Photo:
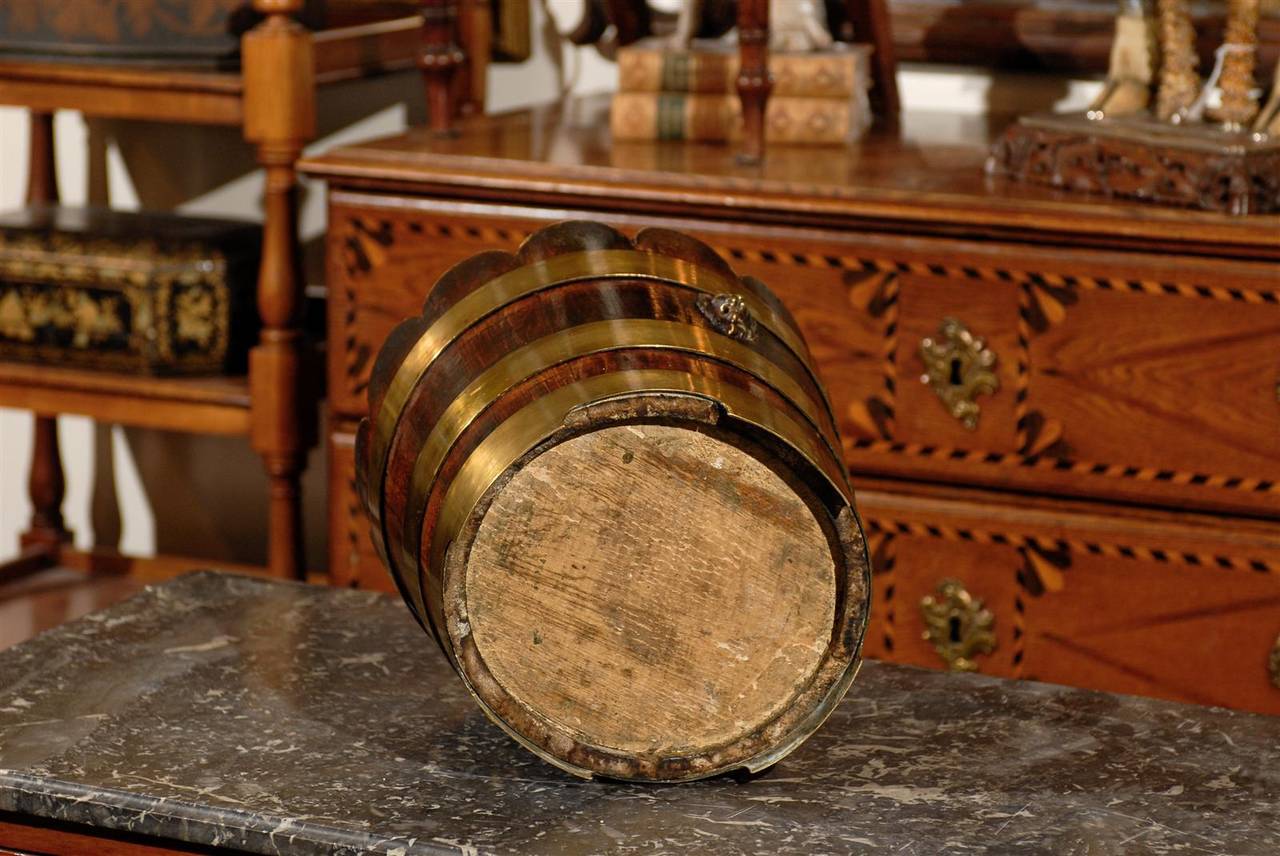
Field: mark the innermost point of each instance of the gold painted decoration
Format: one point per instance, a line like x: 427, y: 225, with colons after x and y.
x: 158, y: 305
x: 958, y: 625
x: 958, y: 368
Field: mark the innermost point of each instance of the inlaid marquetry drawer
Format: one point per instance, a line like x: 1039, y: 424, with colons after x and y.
x: 353, y: 562
x: 1094, y: 454
x: 1137, y: 377
x: 1152, y: 603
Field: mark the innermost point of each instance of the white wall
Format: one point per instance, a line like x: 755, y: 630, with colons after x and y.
x: 153, y: 492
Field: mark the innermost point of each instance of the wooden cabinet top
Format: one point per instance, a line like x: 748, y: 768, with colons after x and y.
x: 926, y: 177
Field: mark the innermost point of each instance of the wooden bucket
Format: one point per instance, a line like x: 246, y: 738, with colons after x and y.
x: 605, y: 477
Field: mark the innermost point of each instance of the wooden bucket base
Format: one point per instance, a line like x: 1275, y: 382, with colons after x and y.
x: 654, y: 599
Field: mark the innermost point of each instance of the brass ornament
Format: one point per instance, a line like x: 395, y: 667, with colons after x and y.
x: 730, y: 315
x: 958, y: 368
x: 958, y: 625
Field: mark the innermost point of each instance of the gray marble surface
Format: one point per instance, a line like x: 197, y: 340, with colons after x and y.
x: 277, y: 718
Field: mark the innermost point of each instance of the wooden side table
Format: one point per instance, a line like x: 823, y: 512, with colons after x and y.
x: 272, y: 98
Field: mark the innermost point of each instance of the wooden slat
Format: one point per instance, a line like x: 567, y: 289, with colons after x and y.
x: 214, y: 405
x: 122, y: 92
x: 206, y: 97
x: 348, y: 53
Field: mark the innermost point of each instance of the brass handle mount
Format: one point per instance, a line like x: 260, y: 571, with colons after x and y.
x: 730, y: 315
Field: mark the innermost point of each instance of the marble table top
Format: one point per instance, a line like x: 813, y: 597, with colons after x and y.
x: 278, y: 718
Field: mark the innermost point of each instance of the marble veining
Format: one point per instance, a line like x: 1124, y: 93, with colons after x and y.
x: 276, y: 718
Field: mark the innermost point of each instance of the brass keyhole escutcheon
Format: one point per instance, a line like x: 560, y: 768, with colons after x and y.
x: 958, y: 368
x: 958, y: 625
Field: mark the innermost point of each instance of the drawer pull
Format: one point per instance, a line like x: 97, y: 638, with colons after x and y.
x: 1275, y: 664
x: 958, y: 625
x: 958, y: 368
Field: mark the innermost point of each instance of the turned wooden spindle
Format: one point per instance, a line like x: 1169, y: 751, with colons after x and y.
x: 754, y: 80
x: 279, y: 97
x: 475, y: 34
x: 632, y: 21
x: 439, y: 60
x: 46, y: 486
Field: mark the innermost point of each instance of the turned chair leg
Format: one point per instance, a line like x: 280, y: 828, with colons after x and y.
x: 46, y: 486
x: 754, y: 80
x: 42, y: 542
x: 284, y: 549
x: 279, y: 93
x: 870, y: 22
x: 439, y: 59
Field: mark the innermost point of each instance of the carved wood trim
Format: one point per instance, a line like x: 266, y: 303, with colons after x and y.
x: 1045, y: 547
x: 1045, y: 297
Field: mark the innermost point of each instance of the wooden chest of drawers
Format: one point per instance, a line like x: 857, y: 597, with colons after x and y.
x: 1114, y: 501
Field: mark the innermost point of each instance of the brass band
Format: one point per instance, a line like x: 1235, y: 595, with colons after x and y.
x: 540, y: 418
x: 556, y: 271
x: 567, y: 344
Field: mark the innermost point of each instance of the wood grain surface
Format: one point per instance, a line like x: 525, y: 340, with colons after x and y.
x: 1080, y: 365
x: 652, y: 588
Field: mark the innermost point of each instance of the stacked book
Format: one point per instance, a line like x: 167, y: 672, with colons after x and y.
x: 672, y: 94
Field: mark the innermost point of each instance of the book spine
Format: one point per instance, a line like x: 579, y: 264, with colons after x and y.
x: 801, y: 75
x: 718, y: 118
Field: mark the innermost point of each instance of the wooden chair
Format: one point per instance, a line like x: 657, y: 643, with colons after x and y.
x: 272, y: 98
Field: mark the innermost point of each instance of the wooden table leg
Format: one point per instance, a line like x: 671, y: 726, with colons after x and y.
x: 46, y: 485
x: 439, y: 59
x: 47, y: 488
x: 279, y: 89
x: 631, y: 20
x: 870, y: 22
x: 754, y: 80
x: 475, y: 35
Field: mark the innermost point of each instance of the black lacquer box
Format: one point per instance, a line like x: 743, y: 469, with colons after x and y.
x: 148, y: 293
